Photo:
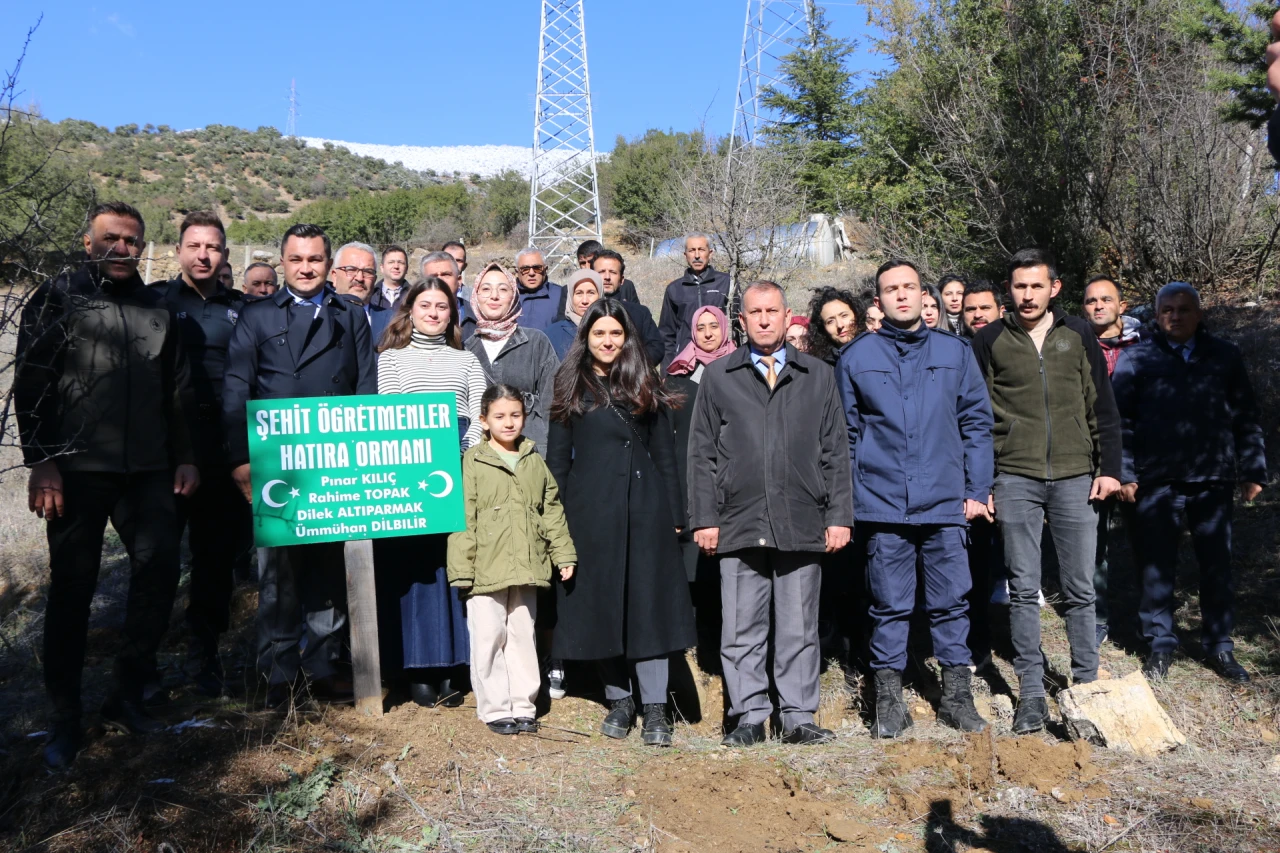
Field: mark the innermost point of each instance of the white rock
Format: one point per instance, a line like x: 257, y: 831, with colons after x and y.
x: 1121, y: 714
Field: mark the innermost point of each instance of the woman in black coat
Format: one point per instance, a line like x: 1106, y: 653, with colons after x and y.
x: 612, y: 453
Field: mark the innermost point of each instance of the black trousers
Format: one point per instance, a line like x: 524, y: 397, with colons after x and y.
x: 218, y: 523
x: 301, y: 587
x: 141, y: 507
x: 986, y: 552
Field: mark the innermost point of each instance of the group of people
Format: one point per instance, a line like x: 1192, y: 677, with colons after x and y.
x: 633, y: 488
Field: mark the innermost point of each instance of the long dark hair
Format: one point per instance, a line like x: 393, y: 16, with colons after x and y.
x: 400, y: 330
x: 630, y: 381
x: 821, y: 344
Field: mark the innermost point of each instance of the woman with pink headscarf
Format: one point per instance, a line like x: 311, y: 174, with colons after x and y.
x: 711, y: 341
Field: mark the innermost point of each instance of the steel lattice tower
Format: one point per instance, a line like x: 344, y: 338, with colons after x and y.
x: 564, y: 202
x: 773, y: 29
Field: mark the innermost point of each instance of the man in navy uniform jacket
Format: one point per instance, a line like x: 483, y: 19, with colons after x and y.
x: 305, y: 341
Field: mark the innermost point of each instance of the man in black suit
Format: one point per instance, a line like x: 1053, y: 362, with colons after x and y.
x: 305, y: 341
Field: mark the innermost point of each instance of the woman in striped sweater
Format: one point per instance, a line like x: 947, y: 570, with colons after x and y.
x: 421, y: 622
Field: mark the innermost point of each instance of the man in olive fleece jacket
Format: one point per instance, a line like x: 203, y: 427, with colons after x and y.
x: 1057, y: 441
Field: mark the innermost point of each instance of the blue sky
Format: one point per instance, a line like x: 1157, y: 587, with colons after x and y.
x: 384, y: 71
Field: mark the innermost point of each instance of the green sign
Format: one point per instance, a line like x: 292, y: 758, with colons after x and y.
x: 329, y: 469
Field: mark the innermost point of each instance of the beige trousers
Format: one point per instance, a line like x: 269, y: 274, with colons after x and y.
x: 504, y: 653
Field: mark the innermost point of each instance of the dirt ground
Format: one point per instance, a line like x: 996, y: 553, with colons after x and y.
x: 229, y: 776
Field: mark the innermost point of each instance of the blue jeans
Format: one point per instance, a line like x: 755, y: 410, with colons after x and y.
x: 1022, y: 505
x: 1163, y: 510
x: 892, y: 552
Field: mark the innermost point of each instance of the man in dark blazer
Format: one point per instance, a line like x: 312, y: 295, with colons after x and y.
x: 1191, y: 434
x: 769, y: 491
x: 305, y: 341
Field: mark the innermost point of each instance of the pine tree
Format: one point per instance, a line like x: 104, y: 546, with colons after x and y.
x: 816, y: 104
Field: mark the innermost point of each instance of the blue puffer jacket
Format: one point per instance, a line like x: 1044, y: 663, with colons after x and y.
x: 919, y: 426
x: 1188, y: 421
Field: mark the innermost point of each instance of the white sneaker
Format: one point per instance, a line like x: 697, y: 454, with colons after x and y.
x: 555, y: 681
x: 1000, y: 593
x: 1040, y: 598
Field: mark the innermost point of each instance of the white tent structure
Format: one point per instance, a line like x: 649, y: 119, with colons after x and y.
x: 817, y: 242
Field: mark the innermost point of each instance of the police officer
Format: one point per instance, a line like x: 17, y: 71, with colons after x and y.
x: 217, y: 519
x: 305, y: 341
x: 99, y: 385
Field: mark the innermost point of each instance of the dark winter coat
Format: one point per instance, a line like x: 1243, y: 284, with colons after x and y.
x: 563, y: 332
x: 1055, y: 415
x: 276, y: 354
x: 207, y: 326
x: 681, y: 422
x: 769, y: 468
x: 629, y: 596
x: 684, y: 296
x: 1188, y: 421
x: 541, y: 307
x: 919, y: 426
x: 101, y: 379
x: 526, y: 361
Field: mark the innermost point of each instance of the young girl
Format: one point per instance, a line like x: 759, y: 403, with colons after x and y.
x: 516, y: 530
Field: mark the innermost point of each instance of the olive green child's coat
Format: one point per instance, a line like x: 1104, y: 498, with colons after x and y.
x: 516, y: 529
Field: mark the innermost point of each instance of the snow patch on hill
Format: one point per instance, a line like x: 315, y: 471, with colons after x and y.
x: 483, y: 160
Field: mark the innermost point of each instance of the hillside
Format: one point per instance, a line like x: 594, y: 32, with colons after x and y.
x: 483, y: 160
x: 245, y: 175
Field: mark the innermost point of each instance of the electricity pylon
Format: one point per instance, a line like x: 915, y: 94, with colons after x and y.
x: 291, y: 126
x: 773, y: 29
x: 564, y: 200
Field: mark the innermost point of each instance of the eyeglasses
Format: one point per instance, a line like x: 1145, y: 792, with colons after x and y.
x: 530, y: 269
x: 352, y: 272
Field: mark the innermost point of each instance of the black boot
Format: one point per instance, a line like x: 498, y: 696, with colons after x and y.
x: 656, y: 731
x: 129, y: 718
x: 892, y: 716
x: 1031, y: 716
x: 956, y: 709
x: 424, y: 693
x: 63, y: 745
x: 622, y: 716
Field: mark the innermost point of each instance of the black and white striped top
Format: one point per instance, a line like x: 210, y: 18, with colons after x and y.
x: 430, y: 366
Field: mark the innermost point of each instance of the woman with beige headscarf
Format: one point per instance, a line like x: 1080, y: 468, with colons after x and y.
x: 583, y: 288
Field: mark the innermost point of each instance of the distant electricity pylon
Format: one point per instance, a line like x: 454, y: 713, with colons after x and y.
x: 291, y: 126
x: 773, y: 29
x: 564, y: 200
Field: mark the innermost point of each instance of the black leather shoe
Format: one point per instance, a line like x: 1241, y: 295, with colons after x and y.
x: 656, y: 731
x: 1031, y: 715
x: 63, y: 745
x: 527, y: 725
x: 424, y: 694
x: 452, y: 693
x: 1224, y: 663
x: 1157, y: 666
x: 746, y: 734
x: 129, y: 718
x: 505, y: 726
x: 808, y: 733
x: 621, y: 718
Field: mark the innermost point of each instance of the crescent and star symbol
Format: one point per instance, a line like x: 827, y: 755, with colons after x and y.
x: 266, y: 493
x: 448, y: 484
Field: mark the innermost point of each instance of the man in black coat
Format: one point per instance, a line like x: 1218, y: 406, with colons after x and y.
x: 101, y: 391
x: 216, y: 518
x: 1191, y: 432
x: 700, y: 285
x: 769, y: 490
x: 612, y: 268
x: 306, y: 341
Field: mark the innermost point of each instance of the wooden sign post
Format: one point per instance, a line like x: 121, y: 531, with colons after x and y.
x: 362, y: 617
